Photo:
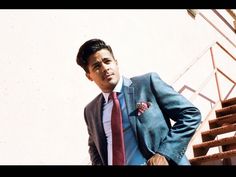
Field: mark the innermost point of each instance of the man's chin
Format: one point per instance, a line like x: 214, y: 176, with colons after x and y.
x: 112, y: 81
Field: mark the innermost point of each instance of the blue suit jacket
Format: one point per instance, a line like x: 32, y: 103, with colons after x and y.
x: 153, y: 128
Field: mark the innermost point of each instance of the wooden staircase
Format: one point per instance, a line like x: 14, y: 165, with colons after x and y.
x: 223, y: 124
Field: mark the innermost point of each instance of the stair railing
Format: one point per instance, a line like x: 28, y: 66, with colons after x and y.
x: 197, y: 92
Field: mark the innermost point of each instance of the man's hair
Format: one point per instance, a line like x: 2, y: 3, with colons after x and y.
x: 88, y: 48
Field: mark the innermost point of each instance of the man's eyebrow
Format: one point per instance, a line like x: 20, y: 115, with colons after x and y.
x: 106, y: 58
x: 97, y: 62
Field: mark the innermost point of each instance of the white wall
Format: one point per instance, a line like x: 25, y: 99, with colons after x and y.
x: 42, y: 89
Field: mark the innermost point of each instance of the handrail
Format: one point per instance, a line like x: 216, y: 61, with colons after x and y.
x: 197, y: 92
x: 200, y: 94
x: 226, y: 51
x: 221, y: 72
x: 192, y: 63
x: 224, y: 20
x: 215, y: 71
x: 217, y: 29
x: 203, y: 84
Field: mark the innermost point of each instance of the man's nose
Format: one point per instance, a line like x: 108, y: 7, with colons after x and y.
x: 104, y: 67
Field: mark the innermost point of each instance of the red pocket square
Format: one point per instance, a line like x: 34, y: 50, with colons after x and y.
x: 142, y: 107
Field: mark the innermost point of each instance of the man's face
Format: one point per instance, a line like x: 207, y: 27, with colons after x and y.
x: 103, y: 70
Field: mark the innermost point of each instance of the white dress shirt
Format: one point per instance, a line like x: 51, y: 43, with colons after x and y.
x: 107, y: 108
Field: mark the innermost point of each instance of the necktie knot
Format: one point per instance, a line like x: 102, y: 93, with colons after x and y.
x: 113, y: 95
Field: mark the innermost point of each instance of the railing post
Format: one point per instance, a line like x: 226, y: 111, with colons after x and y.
x: 216, y: 77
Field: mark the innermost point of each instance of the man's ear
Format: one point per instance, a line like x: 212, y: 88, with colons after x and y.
x: 88, y: 76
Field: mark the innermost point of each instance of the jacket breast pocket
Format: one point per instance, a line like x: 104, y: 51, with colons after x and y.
x: 147, y: 116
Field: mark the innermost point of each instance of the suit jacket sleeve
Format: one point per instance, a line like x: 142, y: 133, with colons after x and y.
x: 185, y: 115
x: 94, y: 155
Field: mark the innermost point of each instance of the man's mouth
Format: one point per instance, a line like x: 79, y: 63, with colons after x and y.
x: 108, y: 76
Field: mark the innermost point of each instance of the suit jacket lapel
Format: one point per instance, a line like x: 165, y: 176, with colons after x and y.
x: 130, y: 103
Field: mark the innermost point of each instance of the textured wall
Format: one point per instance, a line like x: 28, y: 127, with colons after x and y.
x: 43, y: 91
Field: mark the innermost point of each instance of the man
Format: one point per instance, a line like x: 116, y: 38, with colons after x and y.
x: 147, y: 104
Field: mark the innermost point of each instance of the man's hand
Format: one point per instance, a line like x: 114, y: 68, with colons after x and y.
x: 157, y: 159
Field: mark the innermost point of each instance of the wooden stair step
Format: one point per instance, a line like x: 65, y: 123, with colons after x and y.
x: 228, y: 102
x: 212, y: 157
x: 212, y: 133
x: 225, y: 111
x: 202, y: 148
x: 228, y: 119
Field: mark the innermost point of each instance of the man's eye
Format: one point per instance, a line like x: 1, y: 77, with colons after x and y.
x: 95, y: 66
x: 108, y: 61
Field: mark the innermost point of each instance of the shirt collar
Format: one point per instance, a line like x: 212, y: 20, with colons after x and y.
x: 117, y: 88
